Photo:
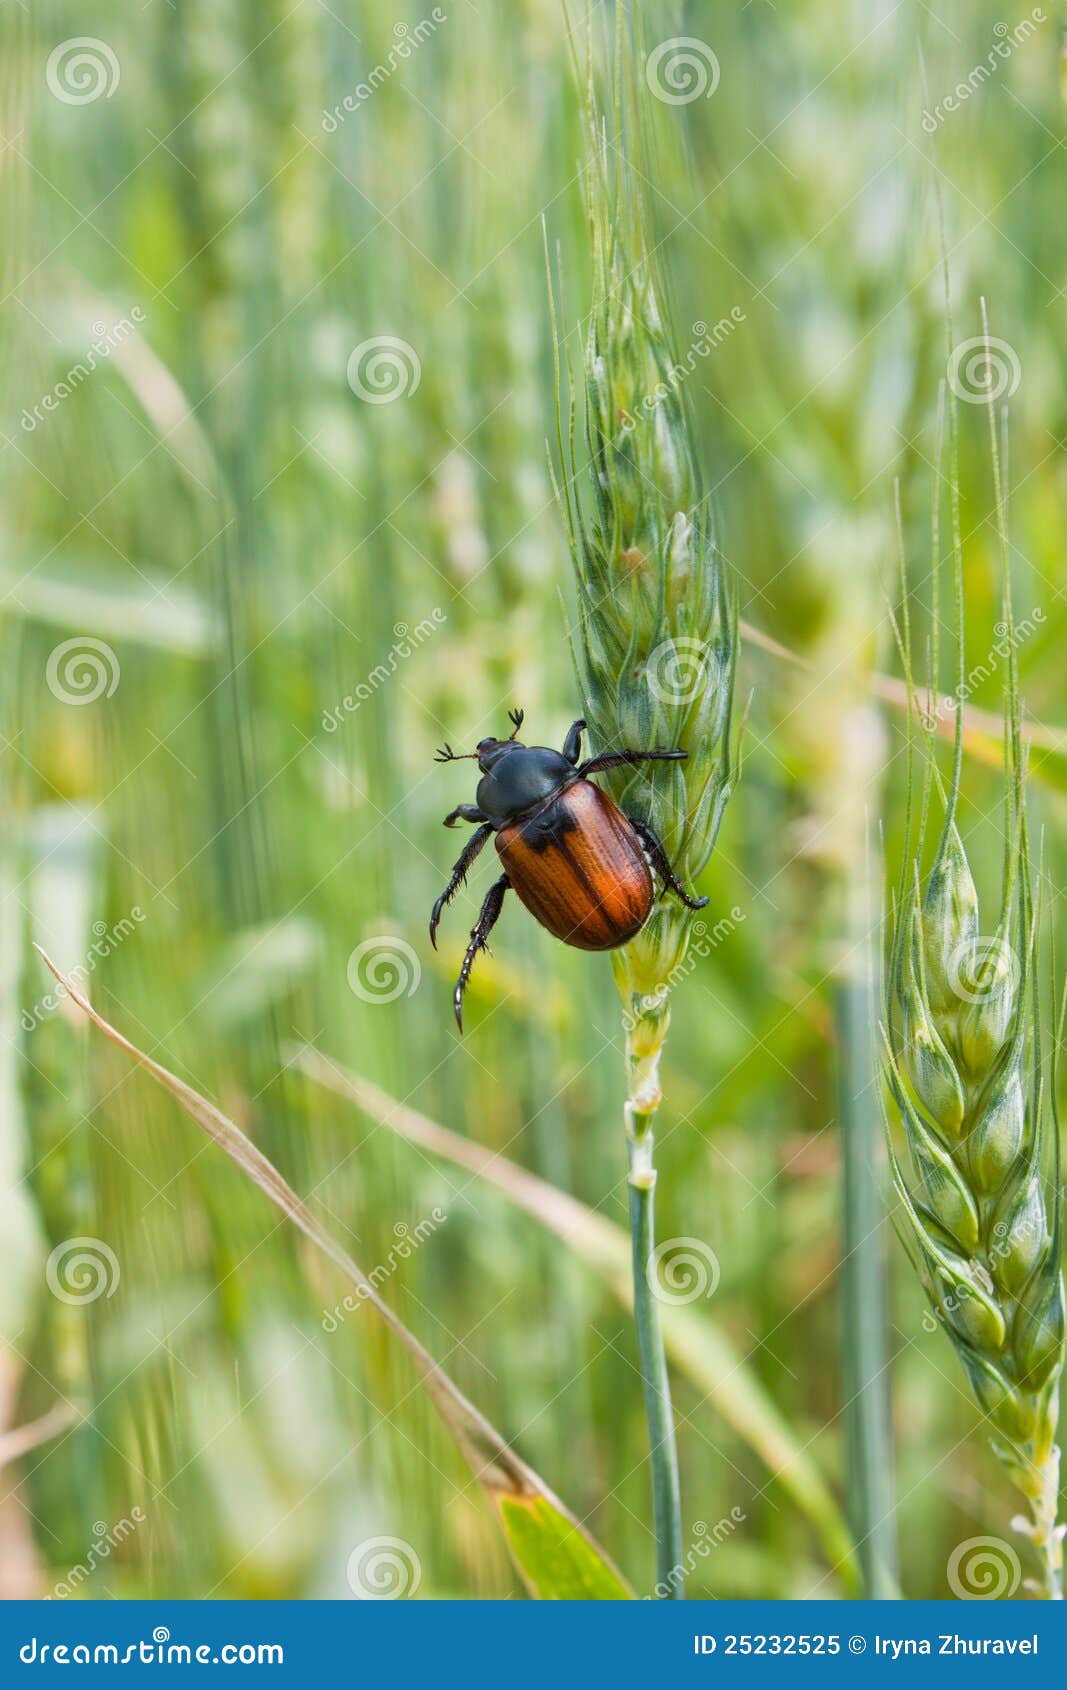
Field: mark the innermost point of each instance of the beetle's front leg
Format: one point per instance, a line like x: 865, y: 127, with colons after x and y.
x: 572, y: 745
x: 465, y: 813
x: 458, y: 875
x: 662, y: 866
x: 480, y: 932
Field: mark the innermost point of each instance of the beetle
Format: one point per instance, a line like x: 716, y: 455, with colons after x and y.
x: 582, y: 868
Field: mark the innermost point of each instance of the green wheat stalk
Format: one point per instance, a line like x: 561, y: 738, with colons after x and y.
x: 655, y: 651
x: 970, y: 1082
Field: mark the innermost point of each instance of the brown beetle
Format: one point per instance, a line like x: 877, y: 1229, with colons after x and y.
x: 582, y: 868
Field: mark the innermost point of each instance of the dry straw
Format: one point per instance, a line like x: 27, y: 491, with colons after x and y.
x: 969, y: 1074
x: 655, y: 649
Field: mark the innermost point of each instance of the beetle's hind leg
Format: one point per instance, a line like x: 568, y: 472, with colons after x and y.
x: 458, y: 875
x: 627, y: 759
x: 660, y: 863
x: 480, y: 932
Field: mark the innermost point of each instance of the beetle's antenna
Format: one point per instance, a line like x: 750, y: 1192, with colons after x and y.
x: 447, y: 755
x: 516, y: 716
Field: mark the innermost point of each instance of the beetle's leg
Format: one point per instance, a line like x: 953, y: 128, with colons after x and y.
x: 480, y: 932
x: 572, y: 745
x: 619, y: 759
x: 465, y: 813
x: 661, y: 865
x: 458, y: 875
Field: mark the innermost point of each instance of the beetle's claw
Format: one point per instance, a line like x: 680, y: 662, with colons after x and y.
x: 699, y: 903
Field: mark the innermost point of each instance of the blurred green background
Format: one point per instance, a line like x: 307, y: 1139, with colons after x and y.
x: 245, y: 541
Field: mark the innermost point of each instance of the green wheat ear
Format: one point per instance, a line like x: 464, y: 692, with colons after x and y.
x: 655, y: 649
x: 655, y: 643
x: 971, y: 1091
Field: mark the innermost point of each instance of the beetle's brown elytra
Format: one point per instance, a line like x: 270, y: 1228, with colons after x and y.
x: 581, y: 867
x: 578, y: 866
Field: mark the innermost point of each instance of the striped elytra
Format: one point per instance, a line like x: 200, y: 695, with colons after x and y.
x: 579, y: 867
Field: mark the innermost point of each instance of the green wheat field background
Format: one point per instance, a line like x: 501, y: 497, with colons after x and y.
x: 277, y: 519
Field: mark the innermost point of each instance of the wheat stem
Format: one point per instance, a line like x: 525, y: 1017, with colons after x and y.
x: 643, y: 1067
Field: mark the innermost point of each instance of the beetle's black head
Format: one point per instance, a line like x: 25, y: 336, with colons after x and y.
x: 515, y: 777
x: 490, y: 751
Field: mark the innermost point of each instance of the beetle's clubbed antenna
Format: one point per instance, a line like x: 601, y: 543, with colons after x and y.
x: 445, y: 754
x: 655, y: 645
x: 517, y: 717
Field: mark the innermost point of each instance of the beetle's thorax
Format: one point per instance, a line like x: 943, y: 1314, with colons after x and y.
x: 516, y: 777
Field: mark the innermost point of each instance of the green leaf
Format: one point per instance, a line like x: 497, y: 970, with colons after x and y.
x: 552, y: 1550
x: 556, y: 1560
